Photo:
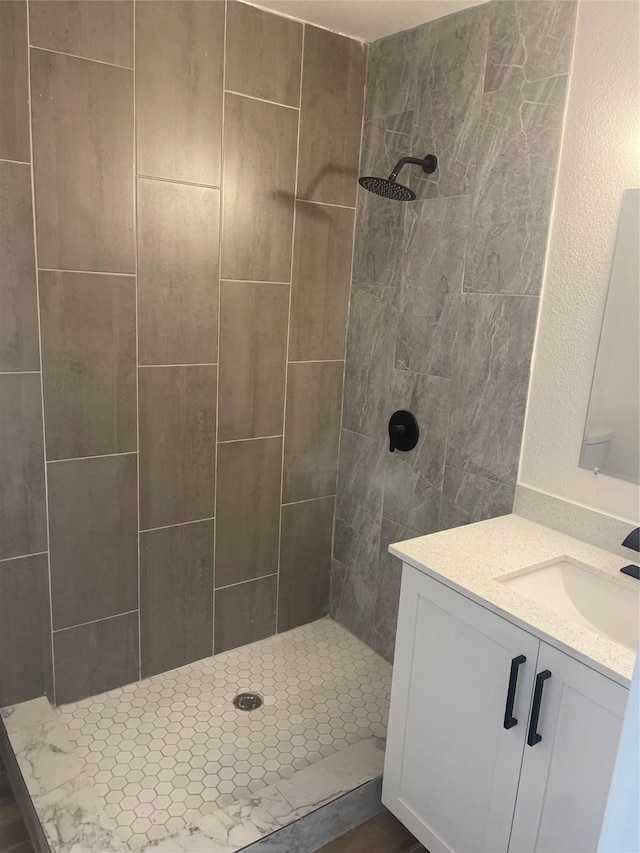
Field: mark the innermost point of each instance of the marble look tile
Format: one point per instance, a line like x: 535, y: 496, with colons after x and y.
x: 178, y: 255
x: 19, y: 347
x: 312, y: 434
x: 46, y: 757
x: 357, y: 527
x: 493, y: 355
x: 338, y: 817
x: 100, y: 30
x: 285, y: 840
x: 385, y: 139
x: 259, y: 213
x: 373, y: 323
x: 448, y: 102
x: 529, y: 41
x: 14, y: 81
x: 25, y: 629
x: 467, y: 498
x: 179, y: 72
x: 435, y: 236
x: 333, y: 78
x: 413, y: 480
x: 88, y: 330
x: 23, y: 521
x: 35, y: 712
x: 518, y: 147
x: 83, y: 163
x: 392, y: 74
x: 388, y: 588
x: 245, y: 613
x: 263, y: 54
x: 378, y: 249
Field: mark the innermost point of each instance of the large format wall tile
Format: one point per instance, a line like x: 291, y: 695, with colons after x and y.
x: 321, y: 276
x: 413, y: 481
x: 330, y: 117
x: 529, y: 41
x: 178, y: 253
x: 19, y: 348
x: 14, y: 81
x: 245, y: 613
x: 385, y: 139
x: 449, y: 96
x: 94, y: 658
x: 102, y: 29
x: 253, y: 357
x: 263, y: 53
x: 467, y: 498
x: 392, y: 74
x: 377, y: 253
x: 23, y: 523
x: 176, y: 596
x: 88, y: 326
x: 247, y: 510
x: 179, y: 66
x: 93, y: 520
x: 435, y: 236
x: 305, y: 562
x: 177, y: 444
x: 373, y: 323
x: 314, y: 405
x: 520, y: 133
x: 259, y: 177
x: 493, y: 355
x: 25, y: 630
x: 83, y: 162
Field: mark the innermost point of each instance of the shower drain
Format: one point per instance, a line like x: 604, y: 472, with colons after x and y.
x: 247, y: 701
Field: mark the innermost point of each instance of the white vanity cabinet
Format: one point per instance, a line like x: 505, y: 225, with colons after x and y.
x: 468, y: 767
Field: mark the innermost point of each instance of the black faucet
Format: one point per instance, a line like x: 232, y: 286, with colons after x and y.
x: 632, y: 541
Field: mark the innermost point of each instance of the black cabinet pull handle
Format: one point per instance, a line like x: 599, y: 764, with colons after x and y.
x: 509, y: 720
x: 533, y: 737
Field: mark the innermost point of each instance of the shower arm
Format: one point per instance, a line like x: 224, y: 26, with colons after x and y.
x: 428, y: 164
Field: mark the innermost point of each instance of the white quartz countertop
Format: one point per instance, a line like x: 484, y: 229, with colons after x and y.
x: 472, y: 558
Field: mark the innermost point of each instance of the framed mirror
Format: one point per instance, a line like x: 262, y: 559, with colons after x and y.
x: 611, y: 441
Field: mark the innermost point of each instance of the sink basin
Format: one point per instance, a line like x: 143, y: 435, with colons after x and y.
x: 583, y: 595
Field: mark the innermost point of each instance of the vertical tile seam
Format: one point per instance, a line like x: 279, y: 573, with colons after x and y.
x: 286, y: 364
x: 218, y: 326
x: 346, y: 331
x: 37, y: 277
x: 135, y: 222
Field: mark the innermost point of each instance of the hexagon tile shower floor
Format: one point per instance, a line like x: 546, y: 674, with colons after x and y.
x: 163, y: 752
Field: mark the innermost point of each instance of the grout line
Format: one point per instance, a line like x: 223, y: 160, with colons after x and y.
x: 253, y: 281
x: 326, y: 203
x: 176, y: 181
x: 135, y: 225
x: 218, y: 324
x: 286, y: 366
x: 22, y: 556
x: 18, y: 372
x: 262, y: 100
x: 309, y: 500
x: 177, y: 524
x: 316, y: 361
x: 15, y: 162
x: 250, y: 580
x: 184, y: 364
x: 253, y: 438
x: 88, y: 272
x: 44, y: 430
x: 95, y: 621
x: 77, y: 56
x: 97, y: 456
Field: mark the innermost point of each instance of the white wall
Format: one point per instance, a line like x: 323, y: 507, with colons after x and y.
x: 600, y: 158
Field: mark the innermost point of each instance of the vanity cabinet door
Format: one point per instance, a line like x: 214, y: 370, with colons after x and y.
x: 451, y: 768
x: 566, y: 776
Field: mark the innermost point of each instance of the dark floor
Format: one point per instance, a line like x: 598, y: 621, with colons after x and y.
x: 14, y: 837
x: 380, y: 834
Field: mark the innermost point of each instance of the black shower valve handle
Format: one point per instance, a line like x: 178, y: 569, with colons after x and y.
x: 403, y: 431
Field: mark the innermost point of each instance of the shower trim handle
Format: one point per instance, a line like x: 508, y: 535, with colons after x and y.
x: 429, y: 164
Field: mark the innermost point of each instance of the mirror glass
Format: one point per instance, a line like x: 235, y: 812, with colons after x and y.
x: 611, y: 442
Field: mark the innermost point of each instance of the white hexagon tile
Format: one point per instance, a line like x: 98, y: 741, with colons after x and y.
x: 174, y: 745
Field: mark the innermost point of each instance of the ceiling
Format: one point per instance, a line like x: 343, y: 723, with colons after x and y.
x: 366, y: 19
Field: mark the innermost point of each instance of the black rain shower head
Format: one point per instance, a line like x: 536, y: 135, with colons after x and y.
x: 389, y: 188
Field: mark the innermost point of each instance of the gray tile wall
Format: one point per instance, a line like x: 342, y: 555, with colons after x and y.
x: 184, y: 503
x: 445, y: 289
